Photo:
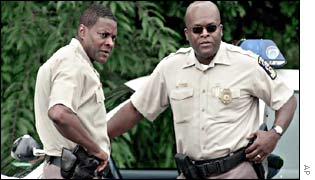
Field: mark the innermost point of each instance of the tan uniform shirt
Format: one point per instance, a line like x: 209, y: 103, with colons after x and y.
x: 214, y: 108
x: 69, y: 78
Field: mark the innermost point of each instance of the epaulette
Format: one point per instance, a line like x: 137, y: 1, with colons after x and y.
x: 241, y: 51
x: 268, y: 69
x: 183, y: 50
x: 180, y: 51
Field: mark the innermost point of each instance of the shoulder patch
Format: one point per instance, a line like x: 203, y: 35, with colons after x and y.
x: 270, y: 71
x: 238, y: 49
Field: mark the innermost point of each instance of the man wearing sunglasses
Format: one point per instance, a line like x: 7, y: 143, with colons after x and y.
x: 213, y: 89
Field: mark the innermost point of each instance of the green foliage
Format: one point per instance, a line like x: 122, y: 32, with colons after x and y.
x: 18, y: 74
x: 147, y: 31
x: 142, y: 37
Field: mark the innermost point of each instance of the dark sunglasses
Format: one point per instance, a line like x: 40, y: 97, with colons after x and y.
x: 210, y: 28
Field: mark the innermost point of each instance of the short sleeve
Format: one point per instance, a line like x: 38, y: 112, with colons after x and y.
x: 151, y: 98
x: 270, y: 88
x: 66, y: 87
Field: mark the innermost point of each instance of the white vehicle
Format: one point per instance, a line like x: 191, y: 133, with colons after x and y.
x: 287, y: 148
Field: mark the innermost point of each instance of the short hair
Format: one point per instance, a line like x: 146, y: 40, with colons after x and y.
x: 93, y: 12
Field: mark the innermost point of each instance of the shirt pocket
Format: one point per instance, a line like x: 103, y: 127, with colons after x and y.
x: 182, y: 104
x: 99, y: 95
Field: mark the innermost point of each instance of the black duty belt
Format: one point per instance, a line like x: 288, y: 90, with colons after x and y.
x: 55, y: 160
x: 207, y: 168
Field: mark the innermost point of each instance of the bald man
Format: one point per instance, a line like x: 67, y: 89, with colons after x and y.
x: 213, y: 89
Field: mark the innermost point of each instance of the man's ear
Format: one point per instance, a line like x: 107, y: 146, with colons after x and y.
x: 221, y: 30
x: 81, y: 31
x: 186, y: 33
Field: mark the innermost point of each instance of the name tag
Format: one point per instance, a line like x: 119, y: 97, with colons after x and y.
x: 182, y: 85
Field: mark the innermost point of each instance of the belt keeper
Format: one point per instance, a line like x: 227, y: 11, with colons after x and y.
x: 221, y: 166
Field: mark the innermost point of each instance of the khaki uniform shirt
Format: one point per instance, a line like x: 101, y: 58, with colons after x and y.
x: 214, y: 108
x: 69, y: 78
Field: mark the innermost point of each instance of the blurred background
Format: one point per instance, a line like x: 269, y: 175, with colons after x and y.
x: 147, y: 31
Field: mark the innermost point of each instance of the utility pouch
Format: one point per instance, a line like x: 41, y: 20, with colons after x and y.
x: 185, y: 165
x: 68, y: 163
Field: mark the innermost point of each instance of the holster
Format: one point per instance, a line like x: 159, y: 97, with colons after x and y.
x: 77, y: 164
x: 259, y: 169
x: 185, y: 165
x: 68, y: 163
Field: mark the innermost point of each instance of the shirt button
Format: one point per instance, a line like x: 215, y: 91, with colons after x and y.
x: 203, y: 110
x: 203, y: 128
x: 203, y: 91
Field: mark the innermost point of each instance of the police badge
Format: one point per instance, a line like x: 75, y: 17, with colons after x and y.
x: 226, y: 96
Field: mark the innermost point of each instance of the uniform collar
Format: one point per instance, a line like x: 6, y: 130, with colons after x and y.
x: 220, y: 58
x: 79, y: 48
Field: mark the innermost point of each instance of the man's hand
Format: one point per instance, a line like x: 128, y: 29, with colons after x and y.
x: 263, y: 145
x: 104, y: 159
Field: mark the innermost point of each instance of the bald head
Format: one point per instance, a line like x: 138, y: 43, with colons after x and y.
x: 203, y: 14
x: 200, y: 6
